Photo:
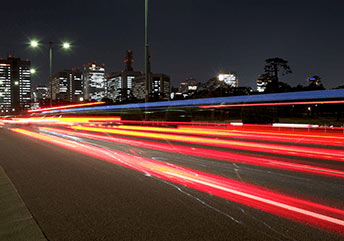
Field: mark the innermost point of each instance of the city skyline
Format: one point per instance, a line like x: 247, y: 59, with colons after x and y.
x: 172, y: 120
x: 186, y: 38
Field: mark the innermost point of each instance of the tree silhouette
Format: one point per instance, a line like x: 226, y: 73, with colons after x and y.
x: 213, y: 88
x: 274, y: 67
x: 340, y: 87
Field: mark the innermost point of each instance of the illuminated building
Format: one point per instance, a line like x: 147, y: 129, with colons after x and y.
x: 230, y: 79
x: 186, y: 88
x: 40, y: 93
x: 94, y: 82
x: 15, y: 85
x: 119, y: 84
x: 159, y: 85
x: 189, y: 86
x: 68, y: 86
x: 262, y: 82
x: 39, y: 96
x: 261, y: 85
x: 76, y: 91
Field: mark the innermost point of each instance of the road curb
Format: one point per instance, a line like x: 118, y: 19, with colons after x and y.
x: 16, y: 222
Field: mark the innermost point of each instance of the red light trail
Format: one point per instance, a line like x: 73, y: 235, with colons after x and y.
x: 319, y: 138
x: 281, y: 136
x: 289, y: 207
x: 309, y: 152
x: 276, y: 104
x: 278, y: 163
x: 66, y: 107
x: 63, y: 120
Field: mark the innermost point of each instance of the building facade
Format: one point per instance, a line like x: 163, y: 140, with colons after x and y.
x: 262, y: 82
x: 159, y: 87
x: 231, y: 79
x: 94, y: 82
x: 67, y: 86
x: 39, y: 96
x: 120, y: 84
x: 15, y: 85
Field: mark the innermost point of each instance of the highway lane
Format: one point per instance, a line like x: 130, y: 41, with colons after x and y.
x: 294, y: 183
x: 77, y: 197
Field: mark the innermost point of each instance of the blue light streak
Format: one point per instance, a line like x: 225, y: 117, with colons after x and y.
x: 291, y: 96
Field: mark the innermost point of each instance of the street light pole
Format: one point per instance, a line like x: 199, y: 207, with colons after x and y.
x: 146, y: 54
x: 51, y: 71
x: 66, y: 46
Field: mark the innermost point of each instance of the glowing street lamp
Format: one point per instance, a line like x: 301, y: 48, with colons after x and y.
x: 33, y: 71
x: 64, y: 45
x: 34, y: 43
x: 221, y: 77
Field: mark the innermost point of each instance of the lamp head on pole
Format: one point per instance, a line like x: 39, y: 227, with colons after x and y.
x: 66, y: 45
x: 34, y: 43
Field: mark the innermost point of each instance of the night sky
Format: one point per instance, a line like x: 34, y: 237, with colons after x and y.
x: 187, y: 38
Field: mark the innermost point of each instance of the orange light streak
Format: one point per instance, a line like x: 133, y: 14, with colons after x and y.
x: 171, y: 123
x: 85, y: 119
x: 306, y: 137
x: 267, y: 136
x: 66, y: 107
x: 310, y: 152
x: 63, y: 120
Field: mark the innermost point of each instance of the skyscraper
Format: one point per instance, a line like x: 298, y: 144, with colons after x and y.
x: 159, y: 85
x: 262, y: 82
x: 39, y: 96
x: 68, y: 86
x: 120, y: 84
x: 15, y: 85
x: 94, y: 82
x: 230, y: 79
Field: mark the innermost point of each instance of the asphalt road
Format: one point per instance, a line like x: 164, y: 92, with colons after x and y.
x: 73, y: 196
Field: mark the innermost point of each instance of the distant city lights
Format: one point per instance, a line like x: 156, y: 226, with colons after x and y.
x: 221, y: 77
x: 229, y: 79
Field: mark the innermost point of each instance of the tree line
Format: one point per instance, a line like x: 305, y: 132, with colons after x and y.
x: 270, y: 81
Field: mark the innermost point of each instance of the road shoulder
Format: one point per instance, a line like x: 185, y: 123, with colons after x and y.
x: 16, y: 222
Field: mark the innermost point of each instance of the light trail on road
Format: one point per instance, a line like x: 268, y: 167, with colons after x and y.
x: 320, y: 139
x: 310, y: 213
x: 65, y: 107
x: 74, y: 120
x: 333, y: 139
x: 309, y: 152
x: 279, y: 163
x: 275, y: 104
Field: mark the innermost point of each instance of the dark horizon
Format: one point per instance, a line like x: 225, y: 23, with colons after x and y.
x: 187, y: 38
